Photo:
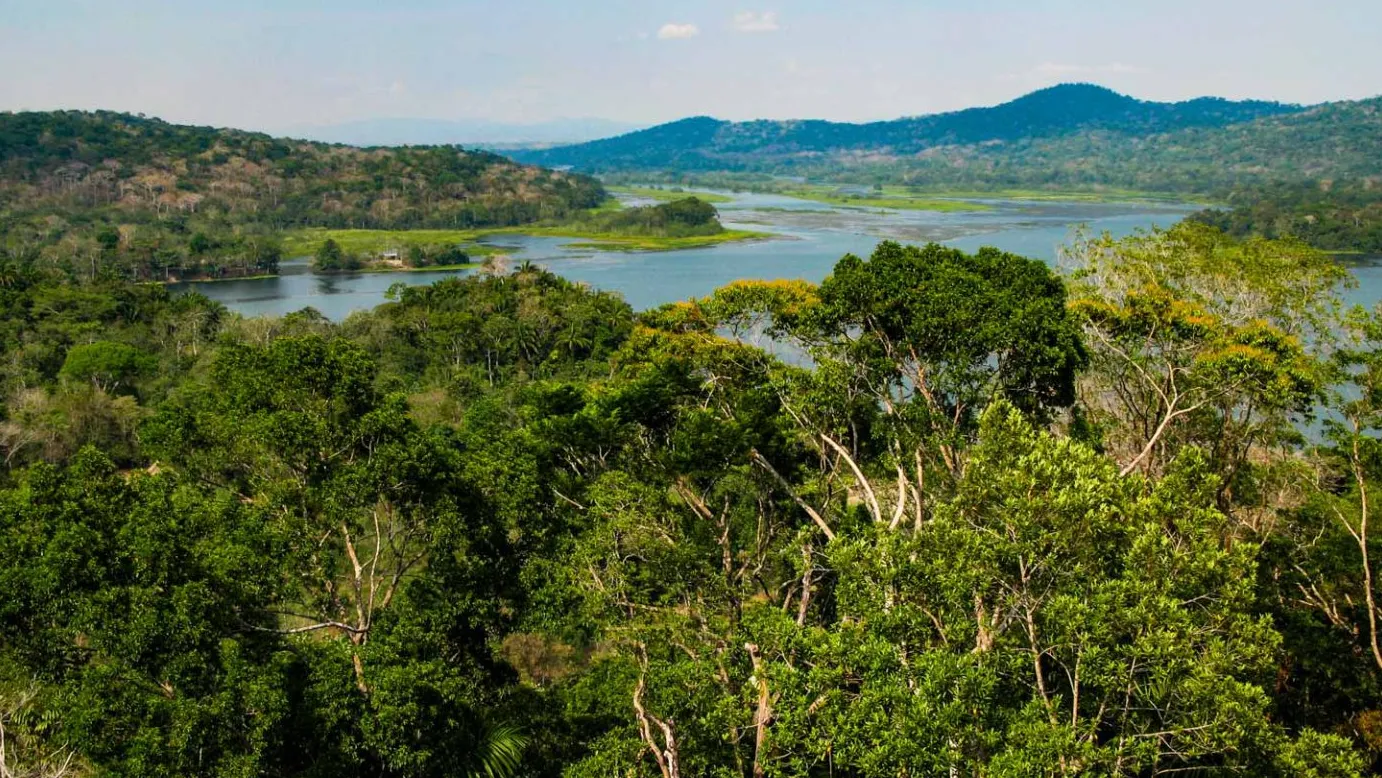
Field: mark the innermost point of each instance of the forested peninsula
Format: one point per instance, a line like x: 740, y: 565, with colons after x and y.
x: 101, y: 194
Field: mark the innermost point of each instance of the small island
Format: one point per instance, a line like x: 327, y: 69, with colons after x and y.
x: 689, y: 222
x: 329, y: 257
x: 683, y: 223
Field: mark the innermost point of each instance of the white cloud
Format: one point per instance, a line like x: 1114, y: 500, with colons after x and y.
x: 749, y: 21
x: 678, y: 31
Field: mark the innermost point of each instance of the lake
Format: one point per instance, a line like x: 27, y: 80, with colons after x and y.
x: 809, y: 239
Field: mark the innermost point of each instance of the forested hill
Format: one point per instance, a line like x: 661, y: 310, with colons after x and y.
x: 1336, y: 142
x: 73, y: 162
x: 703, y: 143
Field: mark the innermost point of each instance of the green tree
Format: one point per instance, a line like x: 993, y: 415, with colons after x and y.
x: 908, y: 349
x: 329, y: 256
x: 1199, y: 339
x: 135, y: 604
x: 107, y: 365
x: 1322, y: 568
x: 400, y: 567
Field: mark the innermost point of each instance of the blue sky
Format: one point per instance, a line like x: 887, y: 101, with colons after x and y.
x: 289, y: 63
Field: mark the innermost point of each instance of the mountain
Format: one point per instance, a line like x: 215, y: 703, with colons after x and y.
x: 469, y: 132
x: 1337, y: 142
x: 133, y: 168
x: 703, y: 143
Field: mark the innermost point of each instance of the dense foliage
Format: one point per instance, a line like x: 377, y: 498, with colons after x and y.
x: 941, y: 514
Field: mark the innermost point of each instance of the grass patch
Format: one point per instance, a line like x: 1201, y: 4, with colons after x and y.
x: 608, y: 206
x: 667, y: 195
x: 906, y: 198
x: 307, y: 242
x: 596, y: 241
x: 304, y: 243
x: 898, y: 200
x: 1070, y: 196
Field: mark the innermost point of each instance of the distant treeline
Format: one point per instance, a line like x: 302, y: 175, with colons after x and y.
x: 1333, y: 218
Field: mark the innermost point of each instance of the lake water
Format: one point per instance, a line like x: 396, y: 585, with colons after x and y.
x: 809, y: 239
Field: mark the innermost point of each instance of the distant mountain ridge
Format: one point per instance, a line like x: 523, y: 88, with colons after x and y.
x: 704, y: 143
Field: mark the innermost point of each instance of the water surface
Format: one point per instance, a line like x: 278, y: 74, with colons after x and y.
x: 809, y: 238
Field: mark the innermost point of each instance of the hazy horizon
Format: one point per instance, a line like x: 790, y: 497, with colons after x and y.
x: 297, y: 64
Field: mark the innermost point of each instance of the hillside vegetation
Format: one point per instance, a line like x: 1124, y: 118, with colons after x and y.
x: 144, y: 198
x: 1341, y: 141
x: 146, y: 166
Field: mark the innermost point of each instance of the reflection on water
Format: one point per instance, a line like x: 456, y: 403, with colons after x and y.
x: 811, y: 238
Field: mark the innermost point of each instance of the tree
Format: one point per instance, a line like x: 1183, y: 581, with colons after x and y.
x: 134, y: 602
x: 991, y: 640
x: 200, y: 244
x: 107, y: 365
x: 400, y: 566
x: 908, y: 348
x: 265, y: 253
x: 503, y: 526
x: 417, y: 256
x: 1322, y: 569
x: 23, y: 724
x: 1356, y: 438
x: 329, y: 256
x: 1051, y: 618
x: 683, y: 534
x: 1198, y: 339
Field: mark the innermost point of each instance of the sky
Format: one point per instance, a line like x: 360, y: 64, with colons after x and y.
x: 280, y: 64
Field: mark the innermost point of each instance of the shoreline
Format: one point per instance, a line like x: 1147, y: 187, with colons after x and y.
x: 582, y: 241
x: 257, y: 277
x: 644, y: 244
x: 360, y: 271
x: 306, y: 242
x: 805, y: 191
x: 363, y: 270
